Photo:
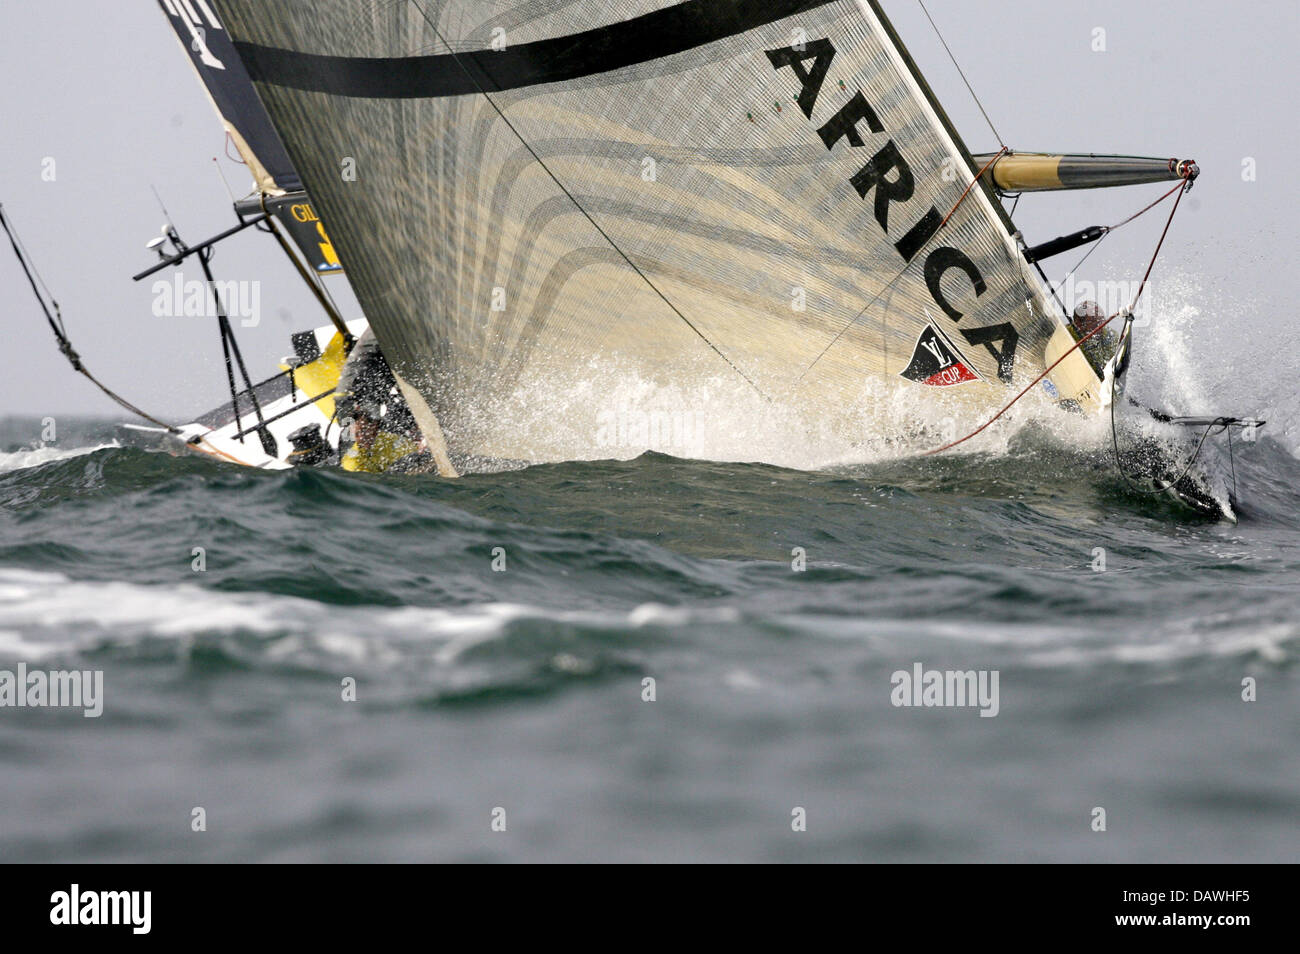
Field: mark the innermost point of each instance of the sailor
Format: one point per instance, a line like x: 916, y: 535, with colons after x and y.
x: 1100, y: 348
x: 385, y: 437
x: 376, y: 450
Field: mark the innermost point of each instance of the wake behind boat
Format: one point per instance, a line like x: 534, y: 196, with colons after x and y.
x: 763, y: 199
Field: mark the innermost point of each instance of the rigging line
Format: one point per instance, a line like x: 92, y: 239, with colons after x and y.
x: 217, y: 452
x: 229, y: 191
x: 33, y: 277
x: 315, y: 285
x: 235, y: 158
x: 320, y: 280
x: 996, y: 134
x: 1048, y: 370
x: 330, y: 296
x: 65, y: 345
x: 1145, y: 209
x: 904, y: 269
x: 25, y: 258
x: 1160, y: 244
x: 578, y: 205
x: 1233, y: 461
x: 1110, y: 228
x: 1079, y: 264
x: 253, y: 428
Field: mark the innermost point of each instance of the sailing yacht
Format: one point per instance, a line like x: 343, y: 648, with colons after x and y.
x: 756, y: 201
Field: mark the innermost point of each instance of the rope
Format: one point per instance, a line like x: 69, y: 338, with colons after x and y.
x: 1106, y: 230
x: 1232, y: 460
x: 235, y: 158
x: 903, y: 271
x: 979, y: 175
x: 1076, y: 266
x: 20, y: 249
x: 996, y: 135
x: 1181, y: 184
x: 1126, y: 311
x: 1159, y: 245
x: 60, y: 334
x: 218, y: 452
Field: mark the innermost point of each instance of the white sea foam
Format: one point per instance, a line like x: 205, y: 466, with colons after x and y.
x: 42, y: 614
x: 1215, y: 351
x: 45, y: 615
x: 44, y: 454
x: 608, y: 408
x: 608, y: 411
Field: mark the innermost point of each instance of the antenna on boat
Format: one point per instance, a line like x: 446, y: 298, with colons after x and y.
x: 224, y: 181
x: 161, y: 205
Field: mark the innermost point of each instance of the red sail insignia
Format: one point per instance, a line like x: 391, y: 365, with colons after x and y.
x: 936, y: 362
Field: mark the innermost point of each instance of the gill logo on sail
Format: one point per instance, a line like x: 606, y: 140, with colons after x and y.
x: 304, y: 213
x: 186, y: 12
x: 875, y: 175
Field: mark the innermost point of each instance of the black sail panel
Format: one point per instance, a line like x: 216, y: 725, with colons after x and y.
x: 223, y: 75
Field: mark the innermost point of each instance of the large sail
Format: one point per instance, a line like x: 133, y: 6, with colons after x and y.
x: 534, y: 196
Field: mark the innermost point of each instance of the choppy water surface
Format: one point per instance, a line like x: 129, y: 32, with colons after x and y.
x: 522, y: 689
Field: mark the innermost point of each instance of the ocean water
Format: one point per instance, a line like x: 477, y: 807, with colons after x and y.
x: 499, y: 631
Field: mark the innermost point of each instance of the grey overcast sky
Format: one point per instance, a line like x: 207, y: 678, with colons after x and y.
x: 105, y: 91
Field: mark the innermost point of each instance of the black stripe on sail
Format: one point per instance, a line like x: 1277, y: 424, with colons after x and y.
x: 642, y: 39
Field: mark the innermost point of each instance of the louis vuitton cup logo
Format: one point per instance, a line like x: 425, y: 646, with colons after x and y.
x: 194, y: 14
x: 936, y: 362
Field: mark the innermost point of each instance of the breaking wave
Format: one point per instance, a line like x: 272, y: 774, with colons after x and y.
x: 44, y: 454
